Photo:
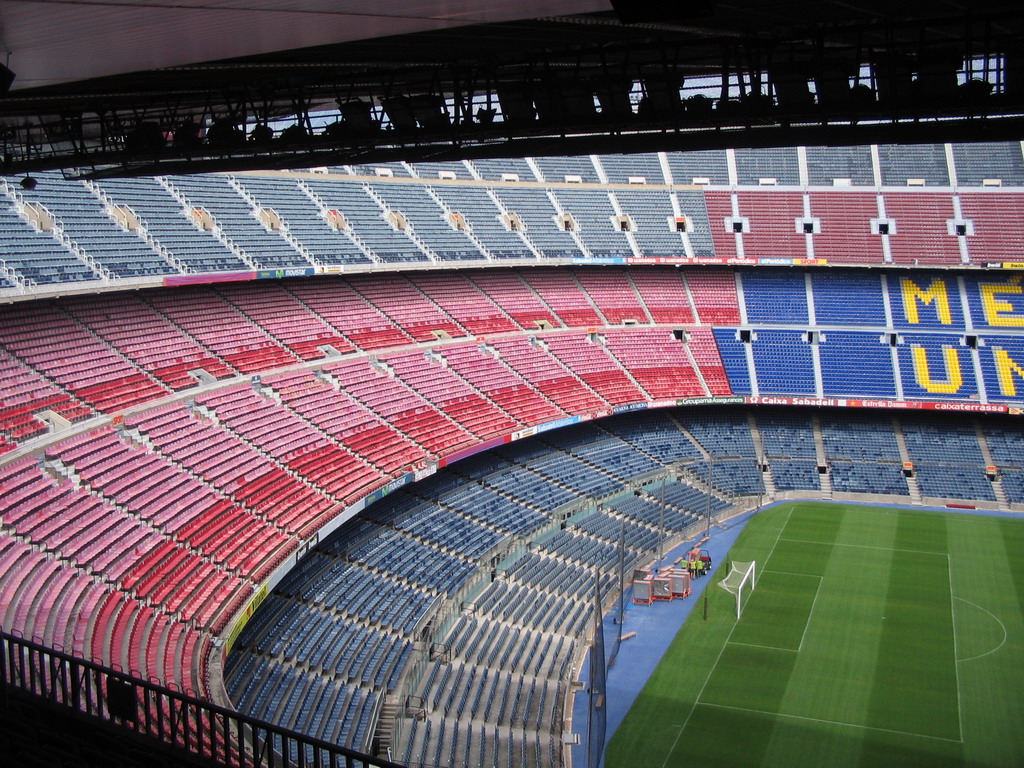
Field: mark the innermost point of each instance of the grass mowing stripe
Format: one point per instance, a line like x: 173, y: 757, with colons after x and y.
x: 915, y: 685
x: 725, y: 645
x: 1013, y: 541
x: 777, y: 611
x: 987, y: 572
x: 831, y: 681
x: 830, y: 722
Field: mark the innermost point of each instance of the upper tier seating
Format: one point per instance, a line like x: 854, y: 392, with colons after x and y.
x: 555, y: 169
x: 366, y: 219
x: 764, y: 203
x: 298, y: 446
x: 539, y: 218
x: 303, y: 218
x: 428, y: 221
x: 594, y: 217
x: 83, y: 221
x: 900, y: 162
x: 653, y: 221
x: 173, y: 340
x: 172, y: 225
x: 333, y: 411
x: 977, y: 162
x: 710, y: 164
x: 37, y: 256
x: 26, y: 394
x: 427, y: 170
x: 402, y: 406
x: 483, y: 217
x: 826, y: 164
x: 619, y: 169
x: 756, y: 163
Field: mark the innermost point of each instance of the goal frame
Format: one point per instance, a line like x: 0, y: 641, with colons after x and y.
x: 747, y: 580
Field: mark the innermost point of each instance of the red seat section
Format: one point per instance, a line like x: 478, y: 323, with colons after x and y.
x: 658, y: 361
x: 149, y: 339
x: 465, y: 303
x: 845, y: 234
x: 565, y: 296
x: 223, y: 329
x: 323, y: 402
x: 73, y: 357
x: 350, y: 313
x: 719, y: 205
x: 238, y: 470
x: 996, y: 218
x: 286, y: 319
x: 521, y: 302
x: 501, y: 383
x: 664, y: 294
x: 587, y: 357
x: 537, y: 366
x: 613, y: 292
x: 377, y: 388
x: 26, y: 394
x: 460, y: 401
x: 294, y: 442
x: 408, y: 307
x: 773, y: 228
x: 714, y: 295
x: 920, y: 231
x: 705, y: 353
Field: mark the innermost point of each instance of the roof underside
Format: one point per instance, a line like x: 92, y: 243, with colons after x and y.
x: 430, y: 80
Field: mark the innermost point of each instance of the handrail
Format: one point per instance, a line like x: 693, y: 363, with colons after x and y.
x: 178, y: 721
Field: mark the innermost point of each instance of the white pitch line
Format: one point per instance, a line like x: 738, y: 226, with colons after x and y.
x: 830, y: 722
x: 766, y: 647
x: 1000, y: 623
x: 956, y: 667
x: 793, y: 573
x: 865, y: 546
x: 696, y: 701
x: 807, y: 621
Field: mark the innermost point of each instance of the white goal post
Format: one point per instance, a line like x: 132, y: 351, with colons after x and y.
x: 741, y: 580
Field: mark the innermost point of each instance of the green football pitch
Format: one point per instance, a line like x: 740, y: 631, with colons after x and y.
x: 875, y: 637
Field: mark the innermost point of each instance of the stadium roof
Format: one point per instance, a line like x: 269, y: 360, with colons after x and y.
x: 102, y: 85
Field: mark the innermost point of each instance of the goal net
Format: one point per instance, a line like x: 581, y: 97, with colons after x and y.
x: 740, y: 582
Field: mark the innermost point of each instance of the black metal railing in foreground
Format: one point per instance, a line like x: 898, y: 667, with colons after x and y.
x: 169, y: 719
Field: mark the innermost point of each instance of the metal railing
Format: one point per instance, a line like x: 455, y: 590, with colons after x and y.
x: 176, y: 721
